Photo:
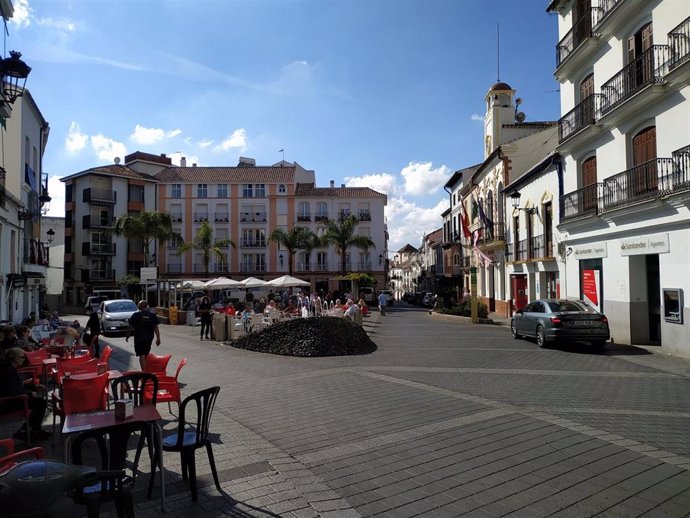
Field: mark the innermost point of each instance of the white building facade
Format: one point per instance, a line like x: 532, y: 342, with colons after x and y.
x: 624, y: 70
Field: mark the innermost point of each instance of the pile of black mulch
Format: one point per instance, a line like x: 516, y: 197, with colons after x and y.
x: 319, y: 336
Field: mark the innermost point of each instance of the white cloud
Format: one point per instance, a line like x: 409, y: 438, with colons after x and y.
x: 75, y: 140
x: 177, y: 156
x: 107, y: 148
x: 24, y: 16
x: 205, y: 143
x: 421, y: 178
x: 148, y: 136
x: 382, y: 182
x: 56, y: 189
x: 22, y: 13
x: 408, y: 222
x: 238, y: 140
x: 476, y: 117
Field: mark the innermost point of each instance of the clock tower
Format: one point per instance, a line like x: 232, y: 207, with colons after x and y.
x: 499, y: 111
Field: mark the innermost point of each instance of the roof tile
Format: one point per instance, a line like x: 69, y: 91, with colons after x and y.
x: 268, y: 174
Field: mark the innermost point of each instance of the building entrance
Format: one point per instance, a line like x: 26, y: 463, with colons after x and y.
x: 654, y: 298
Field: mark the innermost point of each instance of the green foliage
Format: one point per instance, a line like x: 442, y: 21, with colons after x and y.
x: 204, y: 243
x: 146, y: 226
x: 128, y: 280
x: 362, y: 279
x: 341, y: 234
x: 464, y: 309
x: 292, y: 241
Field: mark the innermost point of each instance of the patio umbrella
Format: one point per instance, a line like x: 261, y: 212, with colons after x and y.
x: 251, y: 282
x: 287, y: 281
x: 221, y: 283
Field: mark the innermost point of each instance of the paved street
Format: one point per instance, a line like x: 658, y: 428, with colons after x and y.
x: 444, y: 419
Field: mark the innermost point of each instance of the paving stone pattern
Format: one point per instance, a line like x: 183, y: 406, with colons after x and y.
x: 444, y: 419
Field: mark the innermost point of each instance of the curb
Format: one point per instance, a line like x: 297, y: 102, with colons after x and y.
x: 468, y: 320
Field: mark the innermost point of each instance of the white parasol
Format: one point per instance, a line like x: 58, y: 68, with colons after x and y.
x: 287, y: 281
x: 221, y: 283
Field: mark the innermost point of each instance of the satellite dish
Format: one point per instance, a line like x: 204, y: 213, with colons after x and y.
x: 117, y: 159
x: 520, y: 117
x: 518, y: 101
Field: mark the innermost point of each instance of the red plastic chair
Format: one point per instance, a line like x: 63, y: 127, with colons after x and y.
x: 9, y: 458
x: 157, y: 364
x: 71, y: 364
x: 80, y: 396
x: 106, y: 352
x: 14, y: 409
x: 168, y: 388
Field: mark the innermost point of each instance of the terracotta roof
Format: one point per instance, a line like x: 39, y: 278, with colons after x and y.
x: 112, y: 170
x: 309, y: 190
x: 500, y: 86
x: 407, y: 249
x: 436, y: 236
x: 267, y: 174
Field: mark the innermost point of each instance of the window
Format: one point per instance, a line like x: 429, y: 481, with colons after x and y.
x: 135, y: 193
x: 589, y: 178
x: 303, y: 211
x: 645, y: 179
x: 202, y: 190
x: 548, y: 229
x: 222, y: 190
x: 176, y: 190
x: 260, y: 190
x: 282, y: 189
x: 247, y: 191
x: 68, y: 193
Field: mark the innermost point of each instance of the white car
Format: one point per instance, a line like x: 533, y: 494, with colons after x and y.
x: 428, y: 299
x: 115, y: 315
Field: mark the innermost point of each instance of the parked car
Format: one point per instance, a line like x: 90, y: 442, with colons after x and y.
x: 115, y: 315
x: 367, y: 293
x: 428, y: 299
x: 390, y: 299
x: 93, y: 304
x: 549, y: 320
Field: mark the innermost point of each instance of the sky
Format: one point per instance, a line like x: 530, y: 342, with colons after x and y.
x: 387, y: 94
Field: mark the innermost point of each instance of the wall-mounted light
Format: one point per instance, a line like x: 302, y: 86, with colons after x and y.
x: 515, y: 200
x: 280, y: 258
x: 380, y: 258
x: 152, y: 260
x: 51, y: 235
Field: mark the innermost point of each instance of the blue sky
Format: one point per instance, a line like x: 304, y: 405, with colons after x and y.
x: 383, y: 93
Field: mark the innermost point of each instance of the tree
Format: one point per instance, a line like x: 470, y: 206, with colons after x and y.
x: 292, y: 241
x: 341, y: 234
x: 147, y: 226
x: 311, y: 241
x: 204, y: 243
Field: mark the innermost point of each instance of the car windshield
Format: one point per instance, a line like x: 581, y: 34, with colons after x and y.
x: 116, y: 307
x: 562, y: 306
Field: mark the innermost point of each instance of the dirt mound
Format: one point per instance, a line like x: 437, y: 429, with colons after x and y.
x: 320, y: 336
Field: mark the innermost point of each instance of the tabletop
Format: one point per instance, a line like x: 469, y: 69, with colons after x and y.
x: 104, y: 418
x: 88, y: 375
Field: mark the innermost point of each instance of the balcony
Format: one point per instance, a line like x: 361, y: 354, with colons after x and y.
x: 541, y: 248
x: 321, y: 266
x: 252, y: 243
x: 615, y: 14
x: 582, y: 116
x: 253, y: 217
x: 646, y: 70
x: 580, y: 32
x: 201, y: 268
x: 582, y: 202
x: 35, y: 252
x: 658, y: 177
x: 200, y: 217
x: 303, y: 267
x: 342, y: 214
x: 222, y: 242
x: 176, y: 217
x: 321, y: 217
x: 492, y: 237
x: 174, y: 268
x: 522, y: 251
x: 363, y: 265
x: 88, y: 248
x: 96, y: 222
x: 364, y: 215
x: 135, y: 246
x: 220, y: 268
x: 305, y: 216
x: 679, y: 45
x: 220, y: 217
x: 99, y: 196
x: 102, y: 275
x: 252, y: 268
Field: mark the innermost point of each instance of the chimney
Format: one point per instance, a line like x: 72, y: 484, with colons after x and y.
x: 332, y: 183
x: 246, y: 162
x: 342, y: 185
x: 162, y: 155
x: 194, y: 164
x: 183, y: 161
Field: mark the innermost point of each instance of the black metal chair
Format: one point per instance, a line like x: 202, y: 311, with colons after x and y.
x: 114, y: 484
x: 191, y: 435
x: 135, y: 386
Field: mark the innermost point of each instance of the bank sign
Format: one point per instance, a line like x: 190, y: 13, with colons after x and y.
x: 590, y: 251
x: 645, y: 245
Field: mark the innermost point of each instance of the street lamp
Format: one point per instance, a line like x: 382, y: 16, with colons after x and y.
x: 13, y: 71
x: 51, y: 235
x: 280, y: 258
x: 515, y: 200
x: 380, y: 258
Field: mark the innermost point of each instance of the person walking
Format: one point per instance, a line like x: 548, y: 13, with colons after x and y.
x: 92, y: 330
x: 143, y: 325
x: 383, y: 300
x: 205, y: 315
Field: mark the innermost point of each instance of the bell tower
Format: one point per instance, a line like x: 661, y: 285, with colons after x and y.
x: 499, y: 111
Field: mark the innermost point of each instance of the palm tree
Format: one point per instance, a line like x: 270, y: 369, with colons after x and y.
x: 204, y: 243
x: 309, y: 243
x: 146, y: 226
x: 341, y: 234
x: 290, y: 240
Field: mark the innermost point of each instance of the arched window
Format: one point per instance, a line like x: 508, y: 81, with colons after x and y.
x: 282, y: 189
x: 303, y: 211
x: 489, y: 212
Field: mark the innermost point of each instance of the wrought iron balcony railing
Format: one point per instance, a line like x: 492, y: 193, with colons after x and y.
x: 35, y: 252
x: 200, y: 217
x: 104, y: 196
x: 584, y: 114
x: 582, y: 202
x: 102, y: 275
x: 305, y: 216
x: 252, y: 268
x: 541, y: 247
x: 492, y: 234
x: 605, y: 8
x: 364, y: 215
x: 220, y: 268
x: 522, y: 251
x: 642, y: 182
x: 581, y: 31
x: 89, y: 248
x: 255, y: 217
x: 252, y: 243
x: 175, y: 268
x: 321, y: 216
x: 221, y: 217
x: 647, y: 69
x: 176, y: 217
x: 364, y: 265
x: 89, y: 221
x: 679, y: 44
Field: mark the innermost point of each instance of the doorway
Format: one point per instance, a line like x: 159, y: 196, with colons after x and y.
x: 654, y: 298
x: 519, y: 289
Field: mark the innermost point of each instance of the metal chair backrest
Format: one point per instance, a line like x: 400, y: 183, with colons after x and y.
x: 204, y: 402
x: 134, y: 386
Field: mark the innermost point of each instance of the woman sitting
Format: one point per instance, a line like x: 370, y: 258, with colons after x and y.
x: 363, y: 308
x: 25, y: 341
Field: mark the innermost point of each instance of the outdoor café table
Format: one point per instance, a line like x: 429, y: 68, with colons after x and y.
x: 111, y: 375
x: 75, y: 423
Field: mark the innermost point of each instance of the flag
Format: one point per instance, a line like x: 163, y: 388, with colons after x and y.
x: 484, y: 219
x: 281, y: 150
x: 464, y: 222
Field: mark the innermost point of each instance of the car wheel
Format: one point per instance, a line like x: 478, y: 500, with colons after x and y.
x: 513, y: 330
x: 541, y: 337
x: 598, y: 345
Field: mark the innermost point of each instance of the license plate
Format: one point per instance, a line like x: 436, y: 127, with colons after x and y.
x: 581, y: 323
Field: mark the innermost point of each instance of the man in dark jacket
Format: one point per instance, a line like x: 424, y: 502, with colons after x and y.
x: 143, y: 325
x: 11, y: 384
